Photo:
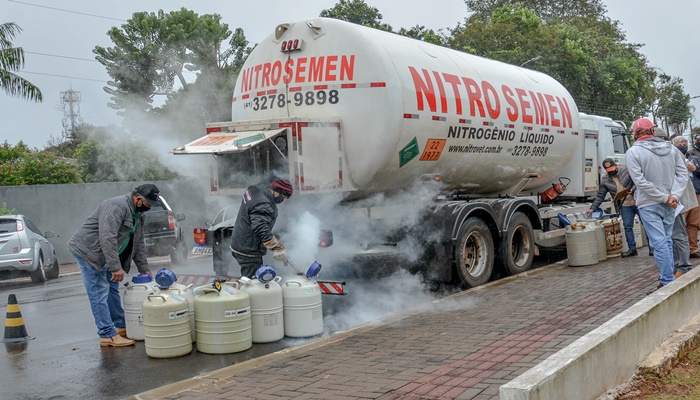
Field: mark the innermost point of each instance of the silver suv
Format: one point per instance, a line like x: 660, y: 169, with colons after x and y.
x: 24, y: 250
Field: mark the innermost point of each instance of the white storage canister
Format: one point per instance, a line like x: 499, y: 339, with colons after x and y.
x: 600, y: 238
x: 303, y: 310
x: 136, y: 292
x: 581, y: 245
x: 186, y: 292
x: 222, y: 319
x: 167, y: 325
x: 266, y: 307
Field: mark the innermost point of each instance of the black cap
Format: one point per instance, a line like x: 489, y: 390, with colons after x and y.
x: 608, y: 164
x: 283, y: 187
x: 150, y: 192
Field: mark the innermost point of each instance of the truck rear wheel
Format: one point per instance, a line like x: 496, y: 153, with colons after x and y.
x: 518, y: 245
x: 475, y: 253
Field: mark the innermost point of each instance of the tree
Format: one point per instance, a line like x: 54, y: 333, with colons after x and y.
x: 604, y: 75
x: 357, y: 12
x: 153, y: 51
x: 672, y: 106
x: 547, y: 10
x: 20, y: 165
x: 11, y: 61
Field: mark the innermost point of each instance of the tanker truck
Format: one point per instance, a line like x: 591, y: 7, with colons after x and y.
x: 352, y: 112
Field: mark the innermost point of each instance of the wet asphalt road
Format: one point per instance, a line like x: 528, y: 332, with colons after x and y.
x: 64, y: 361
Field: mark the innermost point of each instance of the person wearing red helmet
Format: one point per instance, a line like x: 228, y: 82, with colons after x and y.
x: 660, y: 175
x: 252, y: 233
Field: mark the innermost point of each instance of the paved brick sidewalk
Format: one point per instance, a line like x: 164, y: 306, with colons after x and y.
x: 463, y: 347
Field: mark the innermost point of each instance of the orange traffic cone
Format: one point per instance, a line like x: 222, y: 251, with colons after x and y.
x: 14, y: 323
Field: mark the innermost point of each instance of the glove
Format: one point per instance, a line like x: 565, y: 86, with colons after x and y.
x: 281, y: 255
x: 273, y: 244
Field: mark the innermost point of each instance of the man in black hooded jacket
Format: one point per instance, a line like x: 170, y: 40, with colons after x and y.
x: 252, y: 233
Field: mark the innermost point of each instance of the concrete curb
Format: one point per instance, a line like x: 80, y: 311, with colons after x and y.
x: 664, y: 357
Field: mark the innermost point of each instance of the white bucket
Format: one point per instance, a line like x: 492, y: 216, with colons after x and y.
x: 303, y: 310
x: 222, y: 319
x: 167, y: 326
x: 266, y: 308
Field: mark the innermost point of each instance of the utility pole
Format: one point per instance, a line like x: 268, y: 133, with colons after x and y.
x: 70, y: 101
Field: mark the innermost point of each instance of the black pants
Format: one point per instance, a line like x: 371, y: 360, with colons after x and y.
x: 248, y: 264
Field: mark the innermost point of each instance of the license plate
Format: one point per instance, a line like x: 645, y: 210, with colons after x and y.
x: 199, y: 249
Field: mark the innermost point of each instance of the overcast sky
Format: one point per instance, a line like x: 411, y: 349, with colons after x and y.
x: 58, y: 44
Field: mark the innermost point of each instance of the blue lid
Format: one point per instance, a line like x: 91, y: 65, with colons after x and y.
x: 597, y: 214
x: 563, y: 219
x: 265, y: 273
x: 165, y: 277
x: 313, y: 270
x: 142, y: 278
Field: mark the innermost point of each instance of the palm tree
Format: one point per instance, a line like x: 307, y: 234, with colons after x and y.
x: 11, y: 60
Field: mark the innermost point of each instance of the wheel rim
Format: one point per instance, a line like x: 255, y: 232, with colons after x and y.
x: 520, y: 246
x: 474, y: 260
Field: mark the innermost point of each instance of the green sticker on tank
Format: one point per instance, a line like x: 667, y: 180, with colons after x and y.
x: 408, y: 153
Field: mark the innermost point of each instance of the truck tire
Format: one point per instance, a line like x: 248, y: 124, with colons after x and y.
x: 517, y: 247
x: 54, y: 271
x: 39, y: 275
x: 474, y: 255
x: 179, y: 254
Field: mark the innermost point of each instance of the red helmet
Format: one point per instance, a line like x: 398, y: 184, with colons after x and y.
x: 641, y: 125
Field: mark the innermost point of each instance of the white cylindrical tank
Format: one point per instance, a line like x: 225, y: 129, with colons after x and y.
x: 266, y: 309
x: 135, y: 293
x: 222, y: 319
x: 410, y: 108
x: 166, y: 321
x: 581, y: 245
x: 303, y: 309
x: 186, y: 292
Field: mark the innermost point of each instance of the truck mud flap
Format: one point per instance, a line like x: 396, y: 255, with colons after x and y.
x: 332, y: 287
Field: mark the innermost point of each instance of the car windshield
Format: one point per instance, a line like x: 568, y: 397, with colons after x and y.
x: 8, y: 225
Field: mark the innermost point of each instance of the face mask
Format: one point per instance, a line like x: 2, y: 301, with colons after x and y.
x: 142, y: 208
x: 697, y: 146
x: 612, y: 173
x: 279, y: 199
x: 683, y: 149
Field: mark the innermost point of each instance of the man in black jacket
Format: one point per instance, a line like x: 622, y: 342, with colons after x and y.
x: 252, y: 232
x: 615, y: 179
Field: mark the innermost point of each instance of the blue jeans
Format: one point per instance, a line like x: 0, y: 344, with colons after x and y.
x: 658, y: 221
x: 628, y: 213
x: 104, y: 298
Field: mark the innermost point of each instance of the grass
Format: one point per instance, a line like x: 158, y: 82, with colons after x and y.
x: 681, y: 383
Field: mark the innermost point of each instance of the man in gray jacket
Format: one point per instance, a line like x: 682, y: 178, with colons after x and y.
x: 103, y: 248
x: 659, y: 173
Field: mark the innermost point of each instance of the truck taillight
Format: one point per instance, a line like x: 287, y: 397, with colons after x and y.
x: 200, y: 236
x: 171, y: 222
x: 326, y: 238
